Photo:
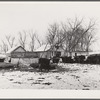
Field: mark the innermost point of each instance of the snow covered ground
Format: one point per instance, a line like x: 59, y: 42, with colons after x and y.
x: 66, y: 76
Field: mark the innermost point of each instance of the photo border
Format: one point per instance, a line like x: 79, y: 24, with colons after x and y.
x: 84, y: 95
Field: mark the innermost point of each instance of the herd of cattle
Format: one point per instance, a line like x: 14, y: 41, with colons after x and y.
x: 45, y: 63
x: 91, y: 59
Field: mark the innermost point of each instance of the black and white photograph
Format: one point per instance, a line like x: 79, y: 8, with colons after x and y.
x: 50, y: 45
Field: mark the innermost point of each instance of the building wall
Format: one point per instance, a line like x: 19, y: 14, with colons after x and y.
x: 43, y: 54
x: 73, y: 53
x: 24, y: 60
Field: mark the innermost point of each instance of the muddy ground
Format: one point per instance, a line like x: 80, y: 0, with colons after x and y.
x: 66, y: 76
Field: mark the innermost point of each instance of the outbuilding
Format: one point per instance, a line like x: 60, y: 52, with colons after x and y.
x: 16, y: 52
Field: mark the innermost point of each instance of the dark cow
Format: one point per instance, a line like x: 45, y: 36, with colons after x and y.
x: 79, y: 59
x: 93, y: 59
x: 10, y: 60
x: 66, y: 59
x: 34, y: 65
x: 44, y: 63
x: 55, y: 59
x: 2, y: 59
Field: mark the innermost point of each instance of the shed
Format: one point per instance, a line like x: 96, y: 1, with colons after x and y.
x: 16, y: 52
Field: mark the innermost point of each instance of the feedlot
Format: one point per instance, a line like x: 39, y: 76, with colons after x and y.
x: 65, y: 76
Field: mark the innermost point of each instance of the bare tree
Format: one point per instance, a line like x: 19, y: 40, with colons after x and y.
x: 87, y: 34
x: 75, y: 34
x: 41, y: 42
x: 22, y: 38
x: 4, y: 46
x: 33, y: 39
x: 55, y: 37
x: 32, y: 42
x: 89, y: 40
x: 8, y: 43
x: 71, y: 33
x: 10, y: 40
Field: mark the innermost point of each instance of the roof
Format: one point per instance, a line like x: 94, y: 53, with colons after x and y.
x: 43, y: 48
x: 94, y: 52
x: 14, y: 48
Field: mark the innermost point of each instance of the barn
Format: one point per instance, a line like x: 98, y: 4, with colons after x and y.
x: 16, y: 52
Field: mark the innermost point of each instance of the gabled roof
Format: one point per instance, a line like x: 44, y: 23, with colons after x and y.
x: 14, y: 48
x: 43, y: 48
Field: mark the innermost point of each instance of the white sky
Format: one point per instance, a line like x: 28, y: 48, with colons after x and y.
x: 18, y: 16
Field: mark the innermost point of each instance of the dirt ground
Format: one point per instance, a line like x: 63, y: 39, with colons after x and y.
x: 66, y: 76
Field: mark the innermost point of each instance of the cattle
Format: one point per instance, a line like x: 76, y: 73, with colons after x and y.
x: 44, y: 63
x: 55, y: 59
x: 34, y: 65
x: 93, y: 59
x: 2, y: 59
x: 10, y: 60
x: 79, y: 59
x: 66, y: 59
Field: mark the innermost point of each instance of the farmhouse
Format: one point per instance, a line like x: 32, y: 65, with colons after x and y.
x: 45, y: 51
x: 79, y: 53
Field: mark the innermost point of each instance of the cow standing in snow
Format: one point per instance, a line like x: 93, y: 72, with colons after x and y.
x: 44, y: 63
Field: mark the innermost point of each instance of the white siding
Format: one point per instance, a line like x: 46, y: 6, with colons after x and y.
x: 24, y: 60
x: 44, y: 54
